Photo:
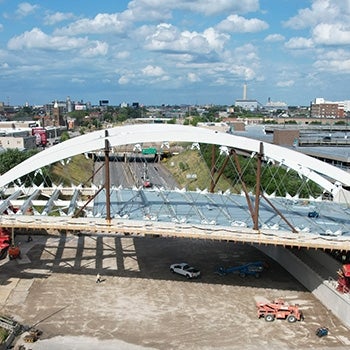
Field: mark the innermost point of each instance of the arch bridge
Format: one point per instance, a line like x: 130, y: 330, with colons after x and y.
x: 247, y: 217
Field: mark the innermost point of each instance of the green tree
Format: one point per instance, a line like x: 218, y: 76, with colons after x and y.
x: 25, y: 113
x: 12, y: 157
x: 273, y: 177
x: 65, y: 136
x: 79, y: 116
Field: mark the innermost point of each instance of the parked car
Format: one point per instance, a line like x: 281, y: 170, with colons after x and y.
x: 185, y: 270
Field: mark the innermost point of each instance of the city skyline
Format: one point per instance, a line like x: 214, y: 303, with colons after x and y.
x: 174, y: 52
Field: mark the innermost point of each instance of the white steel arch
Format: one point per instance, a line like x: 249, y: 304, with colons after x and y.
x: 327, y: 176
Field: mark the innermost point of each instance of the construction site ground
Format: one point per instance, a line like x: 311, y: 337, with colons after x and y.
x: 140, y: 305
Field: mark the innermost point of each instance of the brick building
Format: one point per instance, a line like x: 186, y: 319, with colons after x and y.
x: 326, y: 109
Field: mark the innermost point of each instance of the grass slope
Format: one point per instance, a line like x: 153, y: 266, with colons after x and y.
x: 191, y: 172
x: 77, y: 171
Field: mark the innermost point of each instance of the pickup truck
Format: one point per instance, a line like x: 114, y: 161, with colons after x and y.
x: 185, y: 270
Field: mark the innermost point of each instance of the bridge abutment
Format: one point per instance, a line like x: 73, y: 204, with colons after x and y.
x: 317, y: 272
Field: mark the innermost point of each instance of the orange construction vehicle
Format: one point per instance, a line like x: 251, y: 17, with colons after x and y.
x: 14, y: 252
x: 278, y: 309
x: 344, y: 279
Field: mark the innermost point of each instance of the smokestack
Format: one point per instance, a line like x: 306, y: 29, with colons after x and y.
x: 244, y: 91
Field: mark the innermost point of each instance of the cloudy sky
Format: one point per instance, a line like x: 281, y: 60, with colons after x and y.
x: 174, y: 51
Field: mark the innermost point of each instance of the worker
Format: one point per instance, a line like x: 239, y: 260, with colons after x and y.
x: 98, y: 278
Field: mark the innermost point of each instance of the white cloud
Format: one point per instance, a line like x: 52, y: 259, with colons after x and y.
x: 335, y: 61
x: 36, y: 39
x: 238, y: 24
x: 334, y: 54
x: 285, y: 83
x: 328, y: 19
x: 124, y: 79
x: 154, y: 8
x: 274, y: 38
x: 244, y: 72
x: 167, y: 38
x: 245, y: 53
x: 299, y: 43
x: 144, y: 10
x: 337, y: 65
x: 54, y: 18
x: 153, y: 71
x: 77, y: 81
x: 25, y: 9
x: 331, y: 34
x: 215, y: 39
x: 102, y: 23
x: 96, y: 48
x: 210, y: 7
x: 122, y: 54
x: 320, y: 11
x: 193, y: 77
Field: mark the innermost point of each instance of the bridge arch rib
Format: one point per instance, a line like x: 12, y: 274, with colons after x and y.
x: 330, y: 178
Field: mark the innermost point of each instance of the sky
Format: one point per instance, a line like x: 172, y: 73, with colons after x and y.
x: 174, y: 51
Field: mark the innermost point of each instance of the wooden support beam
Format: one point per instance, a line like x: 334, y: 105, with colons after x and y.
x: 212, y: 188
x: 279, y: 213
x: 107, y: 179
x: 212, y: 170
x: 245, y: 190
x: 257, y: 189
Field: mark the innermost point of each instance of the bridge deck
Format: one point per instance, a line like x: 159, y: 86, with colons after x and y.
x: 199, y: 215
x: 54, y: 225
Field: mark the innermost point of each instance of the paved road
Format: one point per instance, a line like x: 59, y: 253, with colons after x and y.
x: 129, y: 174
x: 140, y: 304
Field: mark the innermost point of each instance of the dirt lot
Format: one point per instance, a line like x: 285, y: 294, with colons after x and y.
x: 140, y: 304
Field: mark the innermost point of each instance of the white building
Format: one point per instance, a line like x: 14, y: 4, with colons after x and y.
x: 248, y: 105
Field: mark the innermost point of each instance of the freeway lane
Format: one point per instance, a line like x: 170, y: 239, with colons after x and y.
x: 130, y: 174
